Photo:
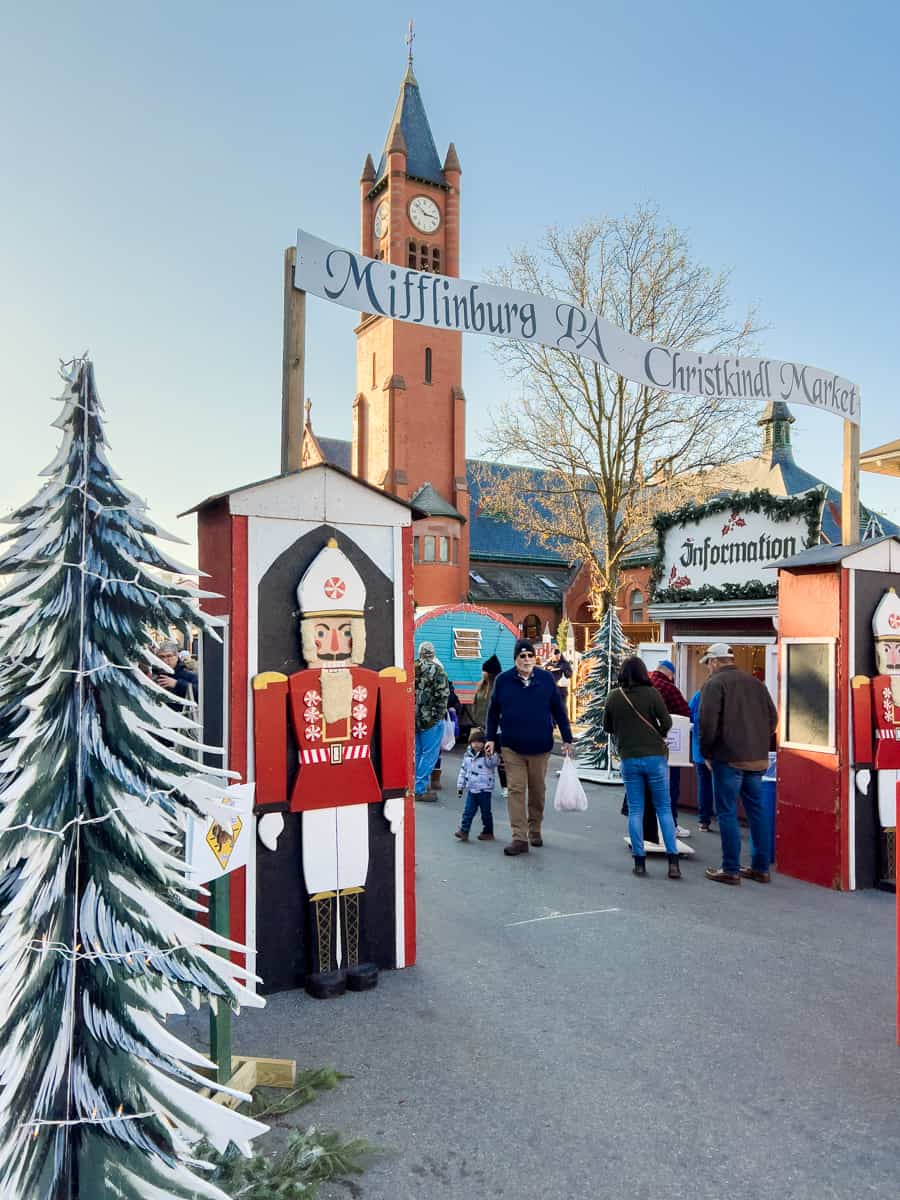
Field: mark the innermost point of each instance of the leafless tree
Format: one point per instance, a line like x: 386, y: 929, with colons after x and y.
x: 607, y: 453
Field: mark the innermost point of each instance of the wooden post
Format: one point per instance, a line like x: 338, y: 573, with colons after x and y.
x: 850, y: 486
x: 220, y: 1021
x: 293, y: 364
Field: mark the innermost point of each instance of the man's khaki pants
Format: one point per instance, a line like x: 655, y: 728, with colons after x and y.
x: 525, y: 772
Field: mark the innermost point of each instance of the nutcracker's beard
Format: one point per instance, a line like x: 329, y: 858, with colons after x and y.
x: 337, y: 694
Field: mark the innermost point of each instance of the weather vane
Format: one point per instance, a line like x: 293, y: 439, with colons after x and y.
x: 410, y: 38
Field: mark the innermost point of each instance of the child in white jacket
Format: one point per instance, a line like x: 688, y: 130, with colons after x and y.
x: 476, y: 780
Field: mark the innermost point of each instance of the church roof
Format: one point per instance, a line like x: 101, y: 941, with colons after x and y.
x: 775, y: 470
x: 430, y: 502
x: 422, y: 159
x: 502, y: 583
x: 493, y: 537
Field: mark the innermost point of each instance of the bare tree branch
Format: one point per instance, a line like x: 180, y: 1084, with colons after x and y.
x: 608, y: 454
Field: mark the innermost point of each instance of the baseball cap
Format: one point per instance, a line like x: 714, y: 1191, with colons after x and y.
x: 717, y: 650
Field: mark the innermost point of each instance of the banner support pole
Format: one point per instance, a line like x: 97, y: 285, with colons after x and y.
x: 293, y: 367
x: 850, y: 485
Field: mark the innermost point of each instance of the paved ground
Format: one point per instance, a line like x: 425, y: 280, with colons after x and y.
x: 648, y: 1039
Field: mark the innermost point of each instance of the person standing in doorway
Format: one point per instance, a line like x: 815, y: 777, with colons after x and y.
x: 663, y: 679
x: 737, y: 721
x: 638, y: 719
x: 525, y: 705
x: 561, y: 669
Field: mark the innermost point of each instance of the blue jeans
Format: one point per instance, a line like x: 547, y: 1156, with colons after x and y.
x: 706, y: 806
x: 428, y: 751
x: 675, y: 790
x: 474, y: 802
x: 732, y: 784
x: 654, y: 771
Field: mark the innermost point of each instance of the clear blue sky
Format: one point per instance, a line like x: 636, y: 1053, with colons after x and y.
x: 156, y: 160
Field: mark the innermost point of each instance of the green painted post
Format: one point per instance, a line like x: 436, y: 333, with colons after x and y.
x: 220, y: 1022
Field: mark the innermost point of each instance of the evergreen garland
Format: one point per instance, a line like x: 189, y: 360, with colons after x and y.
x: 98, y: 937
x: 777, y: 508
x: 609, y: 649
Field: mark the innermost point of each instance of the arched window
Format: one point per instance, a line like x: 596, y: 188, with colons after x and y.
x: 436, y: 261
x: 531, y: 627
x: 411, y: 258
x: 423, y: 257
x: 636, y: 607
x: 428, y: 364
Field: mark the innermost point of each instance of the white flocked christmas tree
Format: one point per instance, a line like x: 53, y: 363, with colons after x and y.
x: 99, y: 941
x: 609, y: 649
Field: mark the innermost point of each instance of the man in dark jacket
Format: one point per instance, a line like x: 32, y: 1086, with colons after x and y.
x: 663, y: 679
x: 737, y: 719
x: 181, y: 680
x: 524, y: 706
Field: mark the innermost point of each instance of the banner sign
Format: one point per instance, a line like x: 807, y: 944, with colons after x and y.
x: 721, y: 549
x: 403, y: 294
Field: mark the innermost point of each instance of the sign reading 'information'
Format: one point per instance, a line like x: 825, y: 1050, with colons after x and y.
x: 403, y: 294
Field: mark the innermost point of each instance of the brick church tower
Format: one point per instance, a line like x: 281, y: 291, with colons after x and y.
x: 409, y: 411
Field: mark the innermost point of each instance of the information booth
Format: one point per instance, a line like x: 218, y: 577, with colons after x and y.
x: 710, y: 583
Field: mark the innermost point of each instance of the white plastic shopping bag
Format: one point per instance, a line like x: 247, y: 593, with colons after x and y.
x: 448, y: 737
x: 570, y: 795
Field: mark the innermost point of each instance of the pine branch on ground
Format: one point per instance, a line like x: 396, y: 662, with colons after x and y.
x: 309, y: 1159
x: 274, y: 1102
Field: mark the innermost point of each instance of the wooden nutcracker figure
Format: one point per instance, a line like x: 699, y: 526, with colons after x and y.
x: 876, y: 723
x: 350, y: 728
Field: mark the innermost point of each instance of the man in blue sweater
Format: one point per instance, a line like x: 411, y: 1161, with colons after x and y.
x: 524, y: 707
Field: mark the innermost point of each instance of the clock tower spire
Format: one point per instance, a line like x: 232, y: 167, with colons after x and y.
x: 409, y: 411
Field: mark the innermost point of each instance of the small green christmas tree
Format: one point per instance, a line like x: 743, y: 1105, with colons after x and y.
x: 609, y: 649
x: 99, y: 941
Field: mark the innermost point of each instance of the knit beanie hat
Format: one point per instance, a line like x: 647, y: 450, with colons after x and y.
x: 523, y: 644
x: 492, y: 665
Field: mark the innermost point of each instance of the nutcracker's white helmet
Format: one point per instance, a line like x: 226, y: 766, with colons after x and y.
x: 331, y: 594
x: 886, y: 627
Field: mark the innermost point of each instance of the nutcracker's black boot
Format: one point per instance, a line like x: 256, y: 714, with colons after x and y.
x: 360, y: 976
x: 325, y: 982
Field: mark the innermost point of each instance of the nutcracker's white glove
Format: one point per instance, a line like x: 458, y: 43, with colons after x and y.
x: 393, y: 812
x: 863, y: 779
x: 269, y: 829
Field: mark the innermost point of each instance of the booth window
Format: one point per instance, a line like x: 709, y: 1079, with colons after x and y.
x: 808, y: 693
x: 531, y: 627
x: 416, y: 541
x: 429, y: 547
x: 636, y: 607
x: 428, y: 364
x: 444, y: 547
x: 467, y: 643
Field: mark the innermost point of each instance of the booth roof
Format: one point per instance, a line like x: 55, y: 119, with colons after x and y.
x: 821, y: 556
x: 417, y: 513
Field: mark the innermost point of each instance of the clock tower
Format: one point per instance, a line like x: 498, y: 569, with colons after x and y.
x: 409, y: 411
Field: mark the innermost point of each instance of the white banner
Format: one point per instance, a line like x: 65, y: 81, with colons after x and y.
x: 403, y: 294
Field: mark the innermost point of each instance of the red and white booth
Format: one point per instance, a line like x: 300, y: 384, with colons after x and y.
x: 333, y: 790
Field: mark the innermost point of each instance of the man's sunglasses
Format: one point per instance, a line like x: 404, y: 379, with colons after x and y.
x: 525, y: 654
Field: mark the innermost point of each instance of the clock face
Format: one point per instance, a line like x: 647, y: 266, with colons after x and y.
x: 424, y: 214
x: 381, y: 219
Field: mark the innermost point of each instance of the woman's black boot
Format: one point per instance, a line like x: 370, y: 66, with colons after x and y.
x: 640, y: 866
x: 674, y: 868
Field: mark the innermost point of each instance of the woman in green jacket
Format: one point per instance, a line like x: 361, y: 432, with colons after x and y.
x: 637, y: 718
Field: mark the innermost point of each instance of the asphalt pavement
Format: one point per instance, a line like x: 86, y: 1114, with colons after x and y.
x: 572, y: 1031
